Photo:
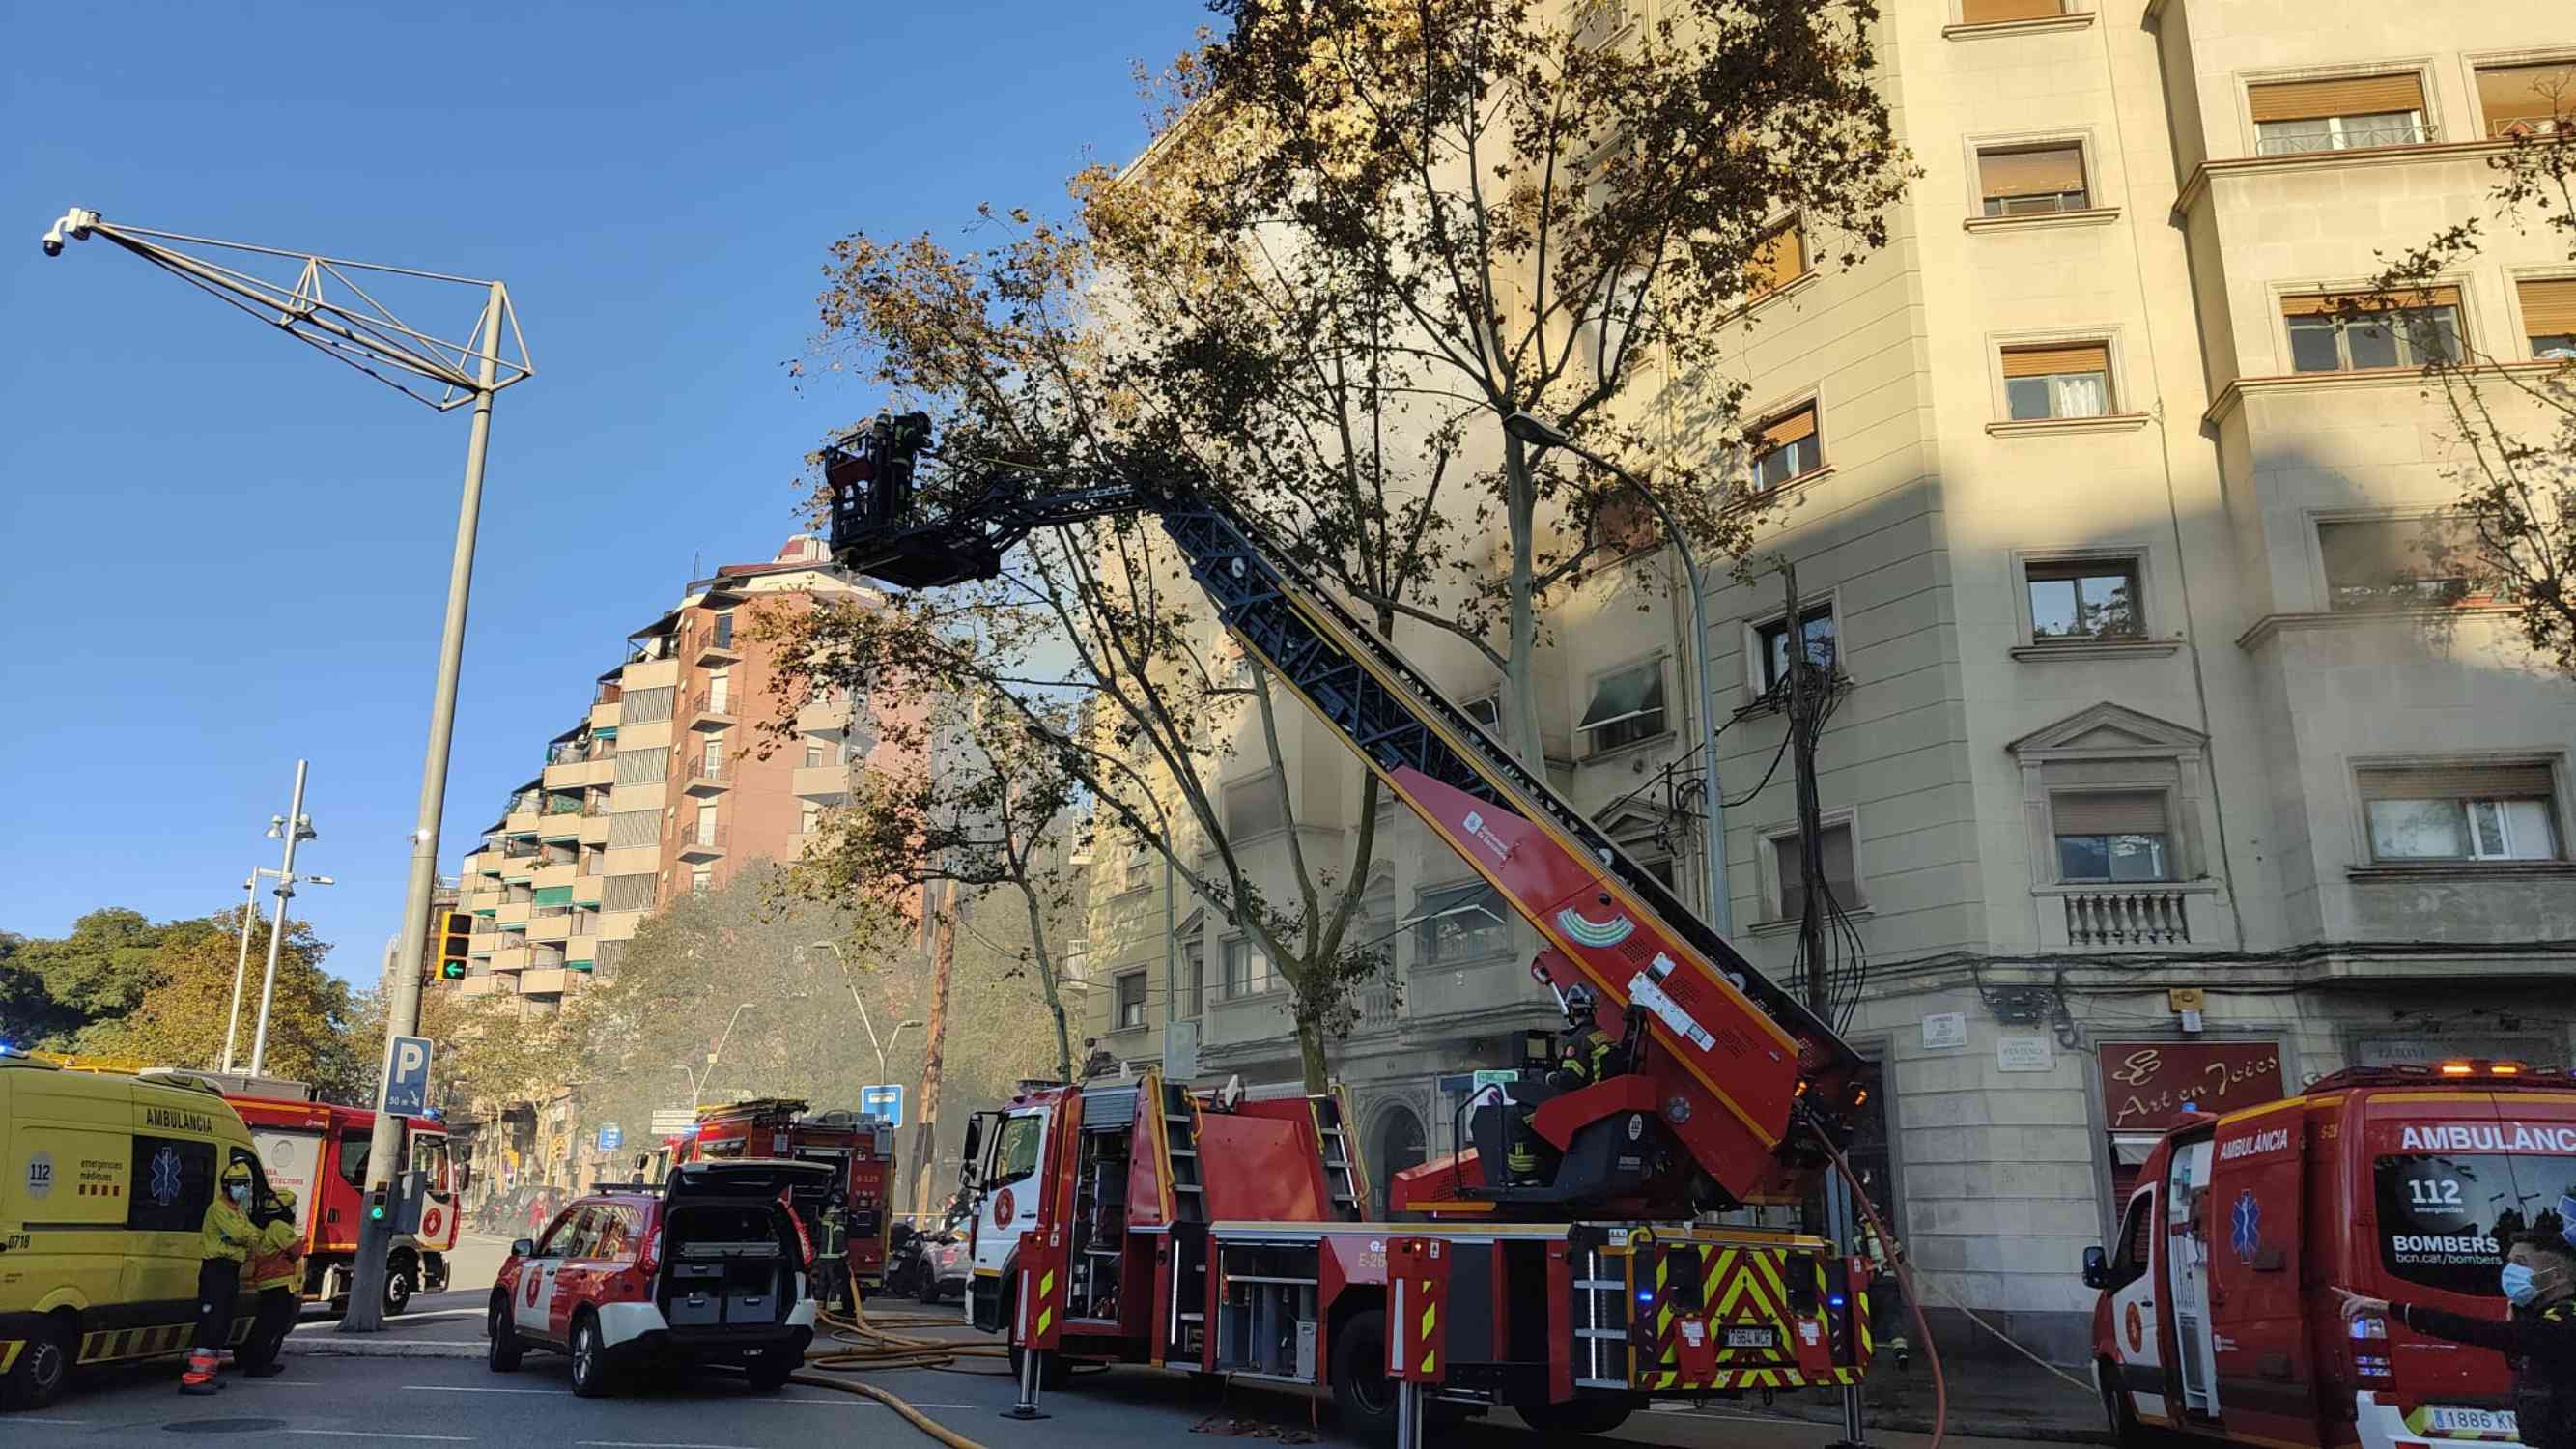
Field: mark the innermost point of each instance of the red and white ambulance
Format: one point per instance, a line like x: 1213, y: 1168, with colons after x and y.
x: 2215, y: 1317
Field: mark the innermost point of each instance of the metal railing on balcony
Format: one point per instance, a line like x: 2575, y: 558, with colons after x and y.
x: 2127, y: 917
x: 702, y: 768
x: 704, y: 836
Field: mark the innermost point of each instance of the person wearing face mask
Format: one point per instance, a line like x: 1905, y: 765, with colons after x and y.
x: 279, y: 1262
x: 2538, y: 1337
x: 224, y: 1245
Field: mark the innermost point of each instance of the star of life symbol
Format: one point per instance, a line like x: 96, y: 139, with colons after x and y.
x: 2246, y: 1226
x: 165, y: 1176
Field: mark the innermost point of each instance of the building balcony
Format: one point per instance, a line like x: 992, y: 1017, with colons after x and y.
x: 713, y: 649
x: 510, y: 960
x: 706, y: 709
x: 539, y: 981
x: 552, y: 928
x: 512, y: 913
x: 566, y: 775
x: 484, y: 902
x: 520, y: 820
x: 562, y: 873
x: 479, y: 986
x: 827, y: 783
x: 593, y: 831
x: 586, y: 889
x: 2132, y: 917
x: 823, y: 717
x: 702, y: 842
x: 706, y: 776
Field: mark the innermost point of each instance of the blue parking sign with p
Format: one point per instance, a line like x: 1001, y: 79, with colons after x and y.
x: 407, y: 1075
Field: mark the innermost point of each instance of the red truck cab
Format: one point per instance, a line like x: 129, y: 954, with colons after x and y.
x: 2216, y: 1317
x: 850, y: 1236
x: 320, y: 1150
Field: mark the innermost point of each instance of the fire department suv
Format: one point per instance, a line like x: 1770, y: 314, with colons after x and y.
x: 709, y: 1267
x: 2397, y: 1182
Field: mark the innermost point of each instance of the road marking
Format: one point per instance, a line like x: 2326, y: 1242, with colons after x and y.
x: 367, y: 1435
x: 648, y: 1444
x: 22, y: 1419
x: 467, y: 1389
x: 406, y: 1318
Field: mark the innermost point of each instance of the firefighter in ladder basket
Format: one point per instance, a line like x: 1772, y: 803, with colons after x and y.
x: 1589, y: 1057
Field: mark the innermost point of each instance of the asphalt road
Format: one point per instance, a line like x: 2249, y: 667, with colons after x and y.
x: 455, y: 1314
x: 392, y: 1403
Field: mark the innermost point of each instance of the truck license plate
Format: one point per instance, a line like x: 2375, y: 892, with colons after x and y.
x: 2442, y: 1419
x: 1749, y: 1338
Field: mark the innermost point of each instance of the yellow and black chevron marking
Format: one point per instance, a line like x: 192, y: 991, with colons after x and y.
x: 1046, y: 1300
x: 1430, y: 1326
x: 10, y: 1348
x: 108, y: 1345
x: 1739, y: 1287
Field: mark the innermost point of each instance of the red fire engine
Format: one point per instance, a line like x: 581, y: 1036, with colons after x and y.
x: 1145, y: 1223
x: 320, y: 1151
x: 858, y: 1149
x: 2216, y: 1316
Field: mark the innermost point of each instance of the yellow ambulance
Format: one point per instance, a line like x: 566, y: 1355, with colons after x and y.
x: 104, y: 1182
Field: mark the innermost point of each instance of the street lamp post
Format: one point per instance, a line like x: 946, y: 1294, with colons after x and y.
x: 241, y: 963
x: 1540, y: 433
x: 865, y: 1020
x: 294, y: 827
x: 324, y: 307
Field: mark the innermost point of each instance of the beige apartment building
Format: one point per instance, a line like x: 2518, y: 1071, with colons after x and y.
x: 2143, y: 693
x: 660, y: 786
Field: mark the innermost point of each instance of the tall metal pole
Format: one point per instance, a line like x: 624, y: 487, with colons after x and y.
x: 294, y: 832
x: 367, y: 1279
x: 241, y: 967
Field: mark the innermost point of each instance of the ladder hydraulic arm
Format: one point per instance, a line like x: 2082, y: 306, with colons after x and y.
x: 1740, y: 1073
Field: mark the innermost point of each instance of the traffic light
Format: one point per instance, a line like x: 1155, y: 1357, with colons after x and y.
x: 376, y: 1206
x: 454, y: 930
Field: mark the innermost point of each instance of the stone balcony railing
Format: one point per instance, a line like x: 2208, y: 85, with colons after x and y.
x: 2118, y: 916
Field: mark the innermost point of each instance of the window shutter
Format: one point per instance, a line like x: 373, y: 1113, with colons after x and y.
x: 2042, y: 172
x: 2324, y: 303
x: 2125, y: 812
x: 1840, y: 875
x: 1987, y: 12
x: 1781, y: 432
x: 2457, y: 782
x: 2350, y: 96
x: 1780, y: 258
x: 2548, y: 306
x: 2070, y: 357
x: 2527, y: 95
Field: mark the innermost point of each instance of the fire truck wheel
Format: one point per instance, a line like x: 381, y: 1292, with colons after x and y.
x: 1589, y: 1414
x: 43, y: 1367
x: 593, y: 1377
x: 504, y: 1334
x: 1362, y: 1392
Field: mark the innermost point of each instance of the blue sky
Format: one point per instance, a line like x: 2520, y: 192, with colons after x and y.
x: 225, y: 551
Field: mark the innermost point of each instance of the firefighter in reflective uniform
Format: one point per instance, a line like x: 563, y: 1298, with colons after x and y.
x: 223, y: 1248
x: 1886, y: 1292
x: 1590, y: 1056
x: 276, y: 1264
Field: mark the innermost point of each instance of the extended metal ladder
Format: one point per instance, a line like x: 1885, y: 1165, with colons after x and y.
x: 1188, y: 1230
x: 1181, y: 1151
x: 1342, y: 1182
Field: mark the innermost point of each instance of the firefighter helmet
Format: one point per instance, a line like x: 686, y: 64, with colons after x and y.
x: 1579, y: 1004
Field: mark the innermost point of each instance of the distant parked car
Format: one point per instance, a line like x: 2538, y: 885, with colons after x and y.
x: 709, y: 1267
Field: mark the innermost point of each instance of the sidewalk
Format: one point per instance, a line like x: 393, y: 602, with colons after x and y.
x: 1988, y: 1400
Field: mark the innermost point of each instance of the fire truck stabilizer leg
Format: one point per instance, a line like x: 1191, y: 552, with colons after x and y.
x: 1027, y: 1407
x: 1408, y: 1415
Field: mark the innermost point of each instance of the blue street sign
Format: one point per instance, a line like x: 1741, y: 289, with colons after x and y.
x: 611, y: 1137
x: 886, y: 1102
x: 407, y: 1075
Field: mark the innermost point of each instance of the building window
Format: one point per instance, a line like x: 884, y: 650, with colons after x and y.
x: 1842, y: 878
x: 2026, y: 180
x: 2421, y: 327
x: 2460, y: 812
x: 701, y: 877
x: 2549, y: 317
x: 2292, y: 117
x: 2085, y: 599
x: 1487, y: 711
x: 2069, y: 380
x: 1131, y: 1000
x: 2112, y: 835
x: 1193, y: 978
x: 724, y: 630
x: 1247, y: 969
x: 808, y: 816
x: 1626, y: 707
x: 711, y: 755
x: 814, y: 753
x: 2383, y: 563
x: 1252, y: 808
x: 1989, y: 12
x: 706, y: 833
x: 1778, y: 259
x: 1661, y: 870
x: 720, y: 693
x: 1771, y: 644
x: 2528, y: 100
x: 1458, y: 924
x: 1785, y: 448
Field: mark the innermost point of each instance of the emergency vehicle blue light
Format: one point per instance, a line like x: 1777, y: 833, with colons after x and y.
x: 1836, y: 1300
x: 1646, y: 1295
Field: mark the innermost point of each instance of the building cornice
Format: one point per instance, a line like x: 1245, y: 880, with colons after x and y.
x: 2030, y: 427
x: 2072, y: 20
x: 2043, y: 220
x: 2292, y: 384
x: 2207, y: 173
x: 2271, y: 625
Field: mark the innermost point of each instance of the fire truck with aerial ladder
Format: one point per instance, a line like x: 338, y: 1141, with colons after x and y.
x: 849, y: 1235
x: 1143, y: 1222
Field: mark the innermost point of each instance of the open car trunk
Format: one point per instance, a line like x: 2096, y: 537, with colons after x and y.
x: 731, y: 1255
